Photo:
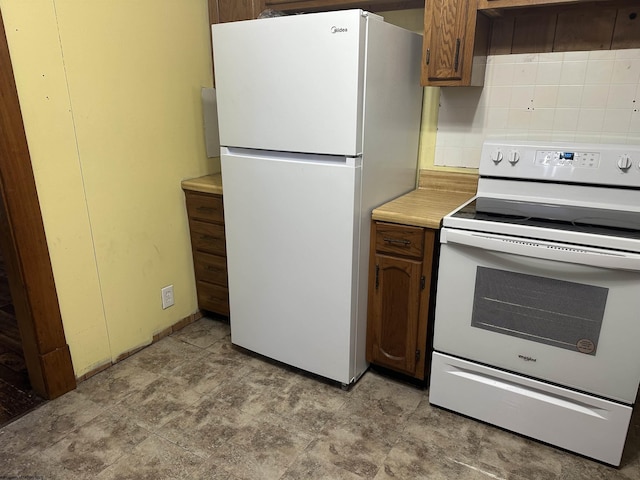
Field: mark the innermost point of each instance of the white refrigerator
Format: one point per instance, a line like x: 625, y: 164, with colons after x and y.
x: 319, y: 118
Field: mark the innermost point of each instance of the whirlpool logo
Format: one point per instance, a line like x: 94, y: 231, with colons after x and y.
x: 338, y: 29
x: 527, y: 358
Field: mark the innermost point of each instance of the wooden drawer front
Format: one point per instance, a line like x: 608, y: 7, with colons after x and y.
x: 399, y: 239
x: 211, y: 268
x: 202, y: 206
x: 213, y: 297
x: 207, y: 237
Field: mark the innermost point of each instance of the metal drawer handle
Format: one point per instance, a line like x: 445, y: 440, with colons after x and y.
x: 401, y: 241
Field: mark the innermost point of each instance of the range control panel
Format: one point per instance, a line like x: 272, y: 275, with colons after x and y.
x: 567, y: 159
x: 602, y: 164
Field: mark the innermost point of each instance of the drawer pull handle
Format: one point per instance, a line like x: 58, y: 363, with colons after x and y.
x: 209, y: 237
x: 205, y: 209
x: 401, y: 241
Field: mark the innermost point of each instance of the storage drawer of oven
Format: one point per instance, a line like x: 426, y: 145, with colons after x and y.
x: 204, y: 206
x: 581, y: 423
x: 211, y: 268
x: 207, y: 237
x: 399, y: 239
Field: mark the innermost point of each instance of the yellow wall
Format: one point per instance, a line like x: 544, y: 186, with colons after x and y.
x: 110, y: 94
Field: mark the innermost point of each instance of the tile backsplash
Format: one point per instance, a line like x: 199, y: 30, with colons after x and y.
x: 565, y: 96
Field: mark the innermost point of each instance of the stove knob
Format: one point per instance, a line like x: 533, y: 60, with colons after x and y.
x: 514, y: 157
x: 624, y: 162
x: 496, y: 157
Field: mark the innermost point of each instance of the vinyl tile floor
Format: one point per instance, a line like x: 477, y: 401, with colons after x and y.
x: 192, y: 406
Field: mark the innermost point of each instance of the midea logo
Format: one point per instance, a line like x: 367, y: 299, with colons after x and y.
x: 338, y: 29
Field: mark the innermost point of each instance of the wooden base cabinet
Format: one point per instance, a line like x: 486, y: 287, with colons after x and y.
x: 206, y: 223
x: 400, y: 277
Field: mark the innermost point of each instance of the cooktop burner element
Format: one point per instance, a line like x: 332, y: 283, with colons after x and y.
x: 564, y: 217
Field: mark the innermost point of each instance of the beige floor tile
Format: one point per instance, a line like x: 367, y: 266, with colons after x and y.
x: 91, y: 448
x: 203, y: 333
x: 114, y: 384
x: 206, y: 426
x: 165, y: 355
x: 157, y: 403
x: 193, y: 406
x: 261, y: 450
x: 153, y: 459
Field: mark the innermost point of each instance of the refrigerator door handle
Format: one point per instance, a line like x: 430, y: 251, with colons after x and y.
x: 294, y: 157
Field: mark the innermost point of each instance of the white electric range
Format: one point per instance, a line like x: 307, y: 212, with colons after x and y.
x: 537, y: 321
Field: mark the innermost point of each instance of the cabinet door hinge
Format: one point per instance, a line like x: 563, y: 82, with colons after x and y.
x: 417, y: 355
x: 377, y: 276
x: 423, y: 282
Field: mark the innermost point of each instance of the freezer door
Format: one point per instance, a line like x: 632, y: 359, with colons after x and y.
x: 291, y: 83
x: 292, y: 230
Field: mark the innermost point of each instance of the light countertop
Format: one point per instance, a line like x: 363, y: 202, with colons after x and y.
x: 207, y: 184
x: 439, y: 193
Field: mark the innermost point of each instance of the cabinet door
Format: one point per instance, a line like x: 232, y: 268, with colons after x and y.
x: 394, y: 320
x: 444, y: 39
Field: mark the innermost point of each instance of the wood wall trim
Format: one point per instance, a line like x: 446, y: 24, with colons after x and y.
x: 599, y: 25
x: 448, y: 181
x: 24, y: 245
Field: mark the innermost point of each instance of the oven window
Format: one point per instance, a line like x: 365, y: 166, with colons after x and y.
x: 545, y: 310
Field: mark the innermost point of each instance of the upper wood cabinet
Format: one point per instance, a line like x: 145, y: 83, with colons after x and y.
x: 455, y: 43
x: 221, y: 11
x: 324, y: 5
x: 502, y: 4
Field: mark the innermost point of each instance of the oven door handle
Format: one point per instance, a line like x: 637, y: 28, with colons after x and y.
x: 594, y: 257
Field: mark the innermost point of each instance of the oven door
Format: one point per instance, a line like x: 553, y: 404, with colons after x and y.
x: 561, y: 313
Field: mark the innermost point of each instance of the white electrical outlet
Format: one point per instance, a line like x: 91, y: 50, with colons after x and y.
x: 167, y: 296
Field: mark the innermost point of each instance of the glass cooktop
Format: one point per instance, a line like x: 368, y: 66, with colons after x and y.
x: 545, y: 215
